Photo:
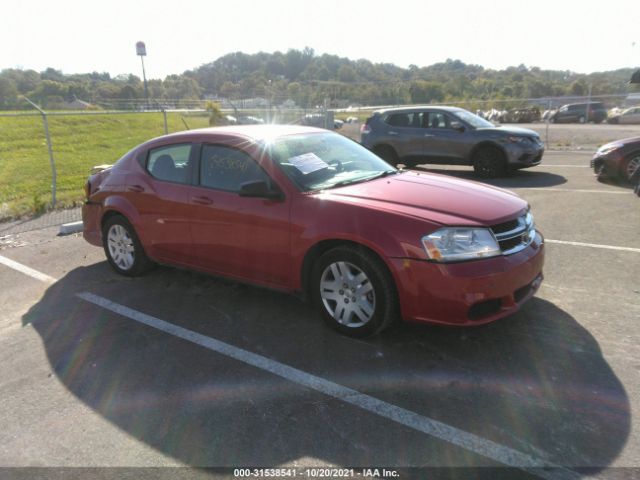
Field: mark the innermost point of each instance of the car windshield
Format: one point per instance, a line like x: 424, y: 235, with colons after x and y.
x: 472, y: 119
x: 319, y: 161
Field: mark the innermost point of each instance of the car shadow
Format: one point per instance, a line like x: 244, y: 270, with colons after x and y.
x: 614, y: 182
x: 536, y: 382
x: 516, y: 179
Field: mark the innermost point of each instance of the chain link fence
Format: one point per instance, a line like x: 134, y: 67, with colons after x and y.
x: 45, y: 156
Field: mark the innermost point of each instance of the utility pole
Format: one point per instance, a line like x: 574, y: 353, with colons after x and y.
x: 141, y: 50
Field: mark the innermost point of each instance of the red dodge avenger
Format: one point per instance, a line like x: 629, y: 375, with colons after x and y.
x: 309, y: 211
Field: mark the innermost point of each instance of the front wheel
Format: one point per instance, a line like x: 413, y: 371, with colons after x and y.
x: 629, y: 167
x: 354, y: 292
x: 489, y: 162
x: 123, y: 248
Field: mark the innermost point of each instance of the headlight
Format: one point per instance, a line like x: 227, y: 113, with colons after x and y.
x: 455, y: 244
x: 517, y: 139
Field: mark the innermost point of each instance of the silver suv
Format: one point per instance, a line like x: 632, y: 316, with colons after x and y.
x: 450, y: 136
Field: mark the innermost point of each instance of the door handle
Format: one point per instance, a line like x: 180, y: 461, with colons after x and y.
x: 135, y: 188
x: 202, y: 200
x: 393, y: 133
x: 428, y: 135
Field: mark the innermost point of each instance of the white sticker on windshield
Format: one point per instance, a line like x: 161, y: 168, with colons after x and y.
x: 308, y: 163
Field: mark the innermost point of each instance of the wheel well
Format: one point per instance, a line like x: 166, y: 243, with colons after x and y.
x: 109, y: 214
x: 482, y: 145
x: 631, y: 155
x: 383, y: 146
x: 319, y: 249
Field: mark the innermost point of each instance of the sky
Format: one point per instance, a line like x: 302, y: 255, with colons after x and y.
x: 81, y: 36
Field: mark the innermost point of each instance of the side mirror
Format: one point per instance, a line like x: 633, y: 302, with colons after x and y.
x: 457, y: 126
x: 259, y: 189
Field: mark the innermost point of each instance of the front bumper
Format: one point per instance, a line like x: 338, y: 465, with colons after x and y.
x: 468, y: 293
x: 606, y: 166
x: 524, y: 156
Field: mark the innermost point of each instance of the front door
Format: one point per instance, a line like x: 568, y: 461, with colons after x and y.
x: 242, y: 237
x: 442, y: 143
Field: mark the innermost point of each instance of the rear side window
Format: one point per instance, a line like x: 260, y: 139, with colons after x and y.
x: 225, y: 168
x: 405, y: 119
x: 171, y: 163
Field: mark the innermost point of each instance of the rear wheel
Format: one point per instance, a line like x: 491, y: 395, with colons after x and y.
x: 489, y: 162
x: 387, y: 153
x: 582, y: 119
x: 354, y: 292
x: 123, y: 248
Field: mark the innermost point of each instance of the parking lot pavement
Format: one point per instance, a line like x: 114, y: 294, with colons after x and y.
x: 557, y: 382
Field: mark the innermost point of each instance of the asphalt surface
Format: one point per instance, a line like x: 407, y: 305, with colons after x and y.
x: 83, y: 386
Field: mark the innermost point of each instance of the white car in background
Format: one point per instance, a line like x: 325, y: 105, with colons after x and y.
x: 630, y: 115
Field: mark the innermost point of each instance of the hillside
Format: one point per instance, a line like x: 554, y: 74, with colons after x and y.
x: 309, y: 79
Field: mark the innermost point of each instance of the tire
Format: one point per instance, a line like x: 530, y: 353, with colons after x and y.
x: 387, y: 153
x: 123, y: 248
x: 489, y: 162
x: 366, y: 277
x: 582, y: 120
x: 629, y: 165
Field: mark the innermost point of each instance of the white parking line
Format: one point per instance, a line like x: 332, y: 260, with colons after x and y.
x: 481, y: 446
x: 593, y: 245
x: 26, y: 270
x: 571, y: 166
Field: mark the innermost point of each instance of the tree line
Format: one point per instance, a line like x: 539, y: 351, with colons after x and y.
x: 309, y: 79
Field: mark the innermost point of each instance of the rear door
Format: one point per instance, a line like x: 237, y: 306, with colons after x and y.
x: 161, y: 197
x: 405, y: 133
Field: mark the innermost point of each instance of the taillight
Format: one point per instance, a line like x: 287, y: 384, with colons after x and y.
x: 364, y: 129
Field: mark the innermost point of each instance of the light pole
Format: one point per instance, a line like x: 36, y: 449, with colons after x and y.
x: 141, y: 50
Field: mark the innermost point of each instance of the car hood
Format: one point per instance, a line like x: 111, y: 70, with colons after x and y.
x: 436, y: 198
x: 511, y: 131
x: 633, y: 141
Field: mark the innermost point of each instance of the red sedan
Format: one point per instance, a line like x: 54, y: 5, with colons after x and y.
x: 309, y: 211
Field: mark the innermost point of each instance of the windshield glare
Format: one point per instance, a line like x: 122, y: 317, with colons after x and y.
x: 319, y: 161
x: 473, y: 119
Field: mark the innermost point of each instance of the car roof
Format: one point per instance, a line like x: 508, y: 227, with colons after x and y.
x: 419, y: 108
x: 250, y: 132
x: 582, y: 103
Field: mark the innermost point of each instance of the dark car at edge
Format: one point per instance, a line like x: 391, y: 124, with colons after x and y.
x: 618, y: 159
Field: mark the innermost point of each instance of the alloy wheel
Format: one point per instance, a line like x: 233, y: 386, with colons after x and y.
x: 347, y: 294
x: 121, y: 248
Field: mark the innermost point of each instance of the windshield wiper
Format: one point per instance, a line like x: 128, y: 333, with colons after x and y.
x: 343, y: 183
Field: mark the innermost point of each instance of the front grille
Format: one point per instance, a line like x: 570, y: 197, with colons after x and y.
x: 505, y: 227
x: 515, y: 235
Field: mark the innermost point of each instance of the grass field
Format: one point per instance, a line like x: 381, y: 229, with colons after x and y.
x: 79, y: 142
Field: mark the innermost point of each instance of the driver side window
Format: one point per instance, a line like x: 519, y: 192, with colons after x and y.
x: 226, y: 168
x: 436, y: 120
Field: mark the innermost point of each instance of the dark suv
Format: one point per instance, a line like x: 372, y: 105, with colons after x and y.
x: 579, y: 112
x: 450, y: 136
